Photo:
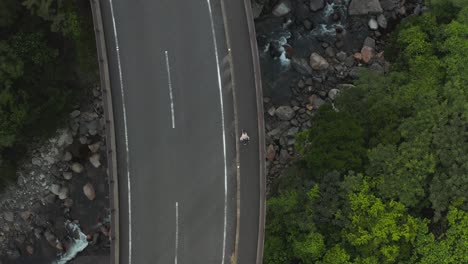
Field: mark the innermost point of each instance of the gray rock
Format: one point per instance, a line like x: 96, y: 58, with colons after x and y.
x: 75, y: 114
x: 292, y: 131
x: 316, y: 5
x: 49, y: 237
x: 65, y: 138
x: 389, y: 5
x: 67, y: 156
x: 83, y: 139
x: 341, y: 56
x: 382, y: 21
x: 26, y: 215
x: 67, y: 175
x: 8, y: 216
x: 30, y: 250
x: 36, y: 161
x: 256, y: 9
x: 333, y: 93
x: 95, y: 160
x: 364, y: 7
x: 354, y: 72
x: 50, y: 198
x: 282, y: 8
x: 276, y: 132
x: 308, y: 25
x: 284, y: 156
x: 349, y: 62
x: 369, y: 42
x: 94, y: 147
x: 284, y: 112
x: 271, y: 111
x: 316, y: 101
x: 63, y: 193
x: 345, y: 86
x: 270, y: 153
x: 377, y: 68
x: 373, y: 24
x: 330, y: 51
x: 89, y: 192
x: 55, y: 189
x: 291, y: 142
x: 68, y: 203
x: 301, y: 66
x: 77, y: 168
x: 317, y: 62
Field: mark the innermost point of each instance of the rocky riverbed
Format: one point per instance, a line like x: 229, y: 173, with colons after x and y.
x: 310, y: 50
x: 64, y: 180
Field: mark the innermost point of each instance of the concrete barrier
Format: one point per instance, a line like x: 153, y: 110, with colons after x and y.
x: 110, y: 129
x: 261, y: 128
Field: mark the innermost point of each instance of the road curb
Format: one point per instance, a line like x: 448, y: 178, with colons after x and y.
x: 261, y: 128
x: 110, y: 129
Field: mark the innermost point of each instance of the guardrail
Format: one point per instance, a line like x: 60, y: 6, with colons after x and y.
x: 261, y: 128
x: 110, y: 129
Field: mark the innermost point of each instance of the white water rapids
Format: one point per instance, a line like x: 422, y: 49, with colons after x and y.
x: 77, y: 245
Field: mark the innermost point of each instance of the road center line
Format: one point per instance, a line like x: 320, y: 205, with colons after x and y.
x: 169, y: 82
x: 177, y: 232
x: 222, y: 124
x: 126, y: 135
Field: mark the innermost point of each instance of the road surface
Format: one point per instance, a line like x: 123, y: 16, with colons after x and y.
x: 182, y: 88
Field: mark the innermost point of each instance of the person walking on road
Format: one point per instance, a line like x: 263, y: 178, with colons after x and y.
x: 244, y: 139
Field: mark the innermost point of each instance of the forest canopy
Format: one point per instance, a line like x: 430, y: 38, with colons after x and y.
x: 385, y: 179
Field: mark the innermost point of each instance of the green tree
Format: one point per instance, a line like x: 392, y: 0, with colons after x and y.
x: 336, y: 145
x: 379, y: 232
x: 451, y: 248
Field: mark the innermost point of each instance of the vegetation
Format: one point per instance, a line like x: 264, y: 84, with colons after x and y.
x: 385, y: 178
x: 47, y: 56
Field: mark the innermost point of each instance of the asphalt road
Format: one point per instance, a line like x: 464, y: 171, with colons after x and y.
x: 173, y: 98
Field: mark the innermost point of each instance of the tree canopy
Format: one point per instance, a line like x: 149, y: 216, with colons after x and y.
x: 386, y: 176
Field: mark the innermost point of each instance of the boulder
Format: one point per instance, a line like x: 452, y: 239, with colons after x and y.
x: 317, y: 62
x: 284, y: 112
x: 65, y: 138
x: 256, y: 9
x: 364, y: 7
x: 8, y: 216
x: 382, y: 21
x: 369, y: 42
x: 55, y: 189
x: 333, y: 93
x: 94, y: 147
x: 341, y: 56
x: 301, y: 66
x: 271, y: 153
x: 315, y: 101
x: 77, y: 168
x: 67, y: 156
x: 308, y: 25
x: 95, y: 160
x: 63, y: 193
x: 282, y: 8
x: 30, y: 250
x: 67, y: 175
x: 271, y: 111
x: 292, y: 131
x: 25, y: 215
x: 316, y: 5
x: 367, y: 54
x: 89, y: 192
x: 75, y: 114
x: 330, y: 51
x: 68, y: 203
x: 373, y: 24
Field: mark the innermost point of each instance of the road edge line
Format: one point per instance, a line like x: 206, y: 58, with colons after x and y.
x: 261, y: 128
x: 110, y: 129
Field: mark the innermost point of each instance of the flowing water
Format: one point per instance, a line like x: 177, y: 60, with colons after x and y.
x: 78, y: 244
x: 273, y: 33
